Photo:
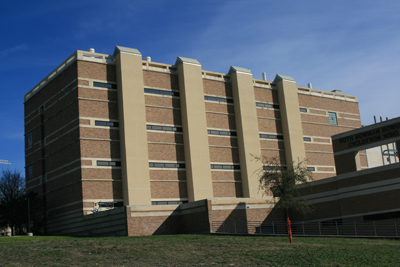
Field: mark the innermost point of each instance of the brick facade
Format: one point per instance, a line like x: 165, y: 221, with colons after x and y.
x: 74, y: 119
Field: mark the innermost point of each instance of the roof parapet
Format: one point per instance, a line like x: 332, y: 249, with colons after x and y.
x: 234, y: 69
x: 280, y: 77
x: 181, y: 60
x: 127, y: 50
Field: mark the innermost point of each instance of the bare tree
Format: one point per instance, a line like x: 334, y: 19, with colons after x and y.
x: 12, y: 191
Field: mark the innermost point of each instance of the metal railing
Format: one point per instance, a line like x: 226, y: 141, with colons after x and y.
x: 319, y: 228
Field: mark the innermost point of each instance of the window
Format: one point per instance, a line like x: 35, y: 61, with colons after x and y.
x: 218, y: 99
x: 311, y: 169
x: 225, y: 167
x: 307, y: 139
x: 274, y: 168
x: 227, y: 133
x: 164, y: 128
x: 270, y: 168
x: 168, y: 202
x: 332, y: 118
x: 271, y: 136
x: 161, y: 92
x: 29, y: 140
x: 166, y: 165
x: 105, y: 85
x: 108, y: 163
x: 29, y: 173
x: 108, y: 205
x: 303, y: 110
x: 266, y: 105
x: 106, y: 123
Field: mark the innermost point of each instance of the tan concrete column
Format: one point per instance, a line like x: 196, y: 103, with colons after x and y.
x: 194, y: 126
x: 248, y: 135
x: 291, y: 120
x: 132, y: 127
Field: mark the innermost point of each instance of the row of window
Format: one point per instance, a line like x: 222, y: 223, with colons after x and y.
x: 265, y: 105
x: 172, y: 165
x: 272, y: 168
x: 106, y: 123
x: 166, y: 165
x: 271, y: 136
x: 173, y: 93
x: 225, y: 167
x: 105, y: 85
x: 275, y: 168
x: 161, y: 92
x: 108, y: 163
x: 215, y: 132
x: 168, y: 202
x: 164, y: 128
x: 218, y: 99
x: 179, y: 129
x: 332, y: 115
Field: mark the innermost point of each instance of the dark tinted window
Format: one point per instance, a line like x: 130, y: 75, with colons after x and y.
x: 166, y: 165
x: 266, y: 105
x: 105, y: 85
x: 164, y: 128
x: 225, y: 167
x: 161, y: 92
x: 271, y: 136
x: 218, y: 99
x: 106, y: 123
x: 216, y: 132
x: 108, y: 163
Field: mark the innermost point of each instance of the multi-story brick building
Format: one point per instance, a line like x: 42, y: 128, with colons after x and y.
x: 151, y: 137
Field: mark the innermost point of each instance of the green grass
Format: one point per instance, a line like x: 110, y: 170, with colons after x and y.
x: 196, y: 250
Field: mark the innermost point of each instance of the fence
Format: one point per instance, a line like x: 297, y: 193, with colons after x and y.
x: 320, y: 228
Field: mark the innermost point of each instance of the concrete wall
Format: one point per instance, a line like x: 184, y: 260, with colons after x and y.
x: 105, y: 223
x: 353, y: 195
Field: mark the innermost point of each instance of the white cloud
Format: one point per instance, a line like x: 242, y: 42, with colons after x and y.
x: 13, y: 136
x: 11, y: 50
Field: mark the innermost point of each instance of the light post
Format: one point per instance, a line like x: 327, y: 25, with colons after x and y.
x: 29, y: 220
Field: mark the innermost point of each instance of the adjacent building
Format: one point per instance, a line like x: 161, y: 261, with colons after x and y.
x: 356, y: 194
x: 173, y: 146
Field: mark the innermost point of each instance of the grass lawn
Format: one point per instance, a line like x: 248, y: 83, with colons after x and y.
x: 196, y: 250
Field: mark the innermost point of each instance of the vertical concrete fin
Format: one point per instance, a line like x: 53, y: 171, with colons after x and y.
x: 133, y: 134
x: 247, y: 129
x: 194, y: 125
x: 291, y: 119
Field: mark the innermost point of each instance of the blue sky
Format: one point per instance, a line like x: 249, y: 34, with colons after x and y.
x: 353, y: 46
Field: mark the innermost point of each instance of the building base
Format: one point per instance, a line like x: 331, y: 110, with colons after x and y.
x: 193, y: 217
